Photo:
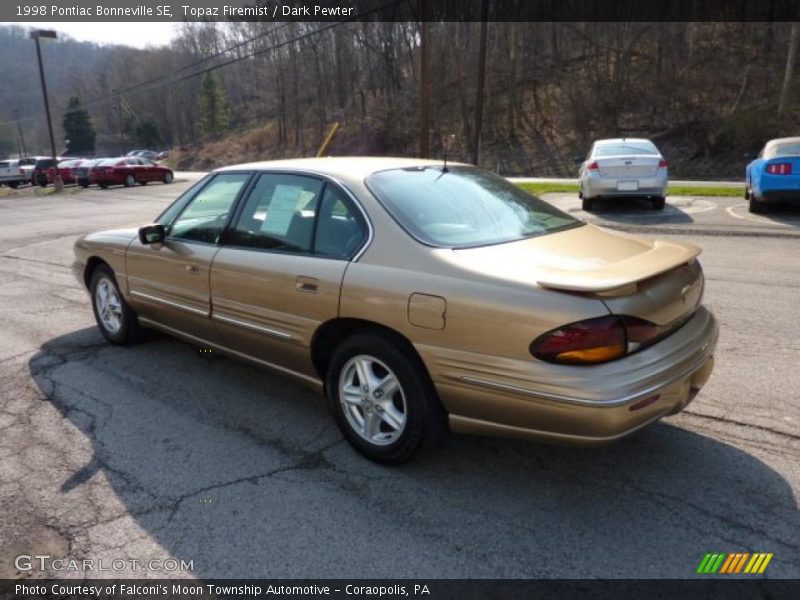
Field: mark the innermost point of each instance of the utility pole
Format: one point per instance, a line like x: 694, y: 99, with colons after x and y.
x: 424, y: 81
x: 22, y: 152
x: 119, y: 116
x: 476, y: 140
x: 36, y: 35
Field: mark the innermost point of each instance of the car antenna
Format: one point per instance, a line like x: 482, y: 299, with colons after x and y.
x: 446, y: 146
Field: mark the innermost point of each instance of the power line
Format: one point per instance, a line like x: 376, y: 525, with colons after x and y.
x: 170, y: 79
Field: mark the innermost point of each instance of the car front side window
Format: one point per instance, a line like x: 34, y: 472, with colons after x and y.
x: 205, y: 216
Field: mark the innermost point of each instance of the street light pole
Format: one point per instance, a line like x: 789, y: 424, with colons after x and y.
x: 36, y: 34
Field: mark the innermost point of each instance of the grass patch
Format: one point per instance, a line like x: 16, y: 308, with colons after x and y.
x: 538, y: 189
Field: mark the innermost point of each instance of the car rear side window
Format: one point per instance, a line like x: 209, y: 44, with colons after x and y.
x: 205, y: 216
x: 340, y: 226
x: 279, y: 214
x: 464, y: 206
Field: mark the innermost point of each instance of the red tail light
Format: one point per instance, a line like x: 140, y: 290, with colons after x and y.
x: 595, y: 341
x: 593, y: 166
x: 585, y: 342
x: 779, y: 168
x: 662, y: 164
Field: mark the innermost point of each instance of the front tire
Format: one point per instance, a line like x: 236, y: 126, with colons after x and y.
x: 168, y: 177
x: 115, y: 318
x: 383, y: 400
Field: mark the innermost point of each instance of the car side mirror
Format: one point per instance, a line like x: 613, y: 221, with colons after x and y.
x: 578, y: 160
x: 152, y: 234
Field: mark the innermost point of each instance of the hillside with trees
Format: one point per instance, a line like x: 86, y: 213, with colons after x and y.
x: 707, y: 93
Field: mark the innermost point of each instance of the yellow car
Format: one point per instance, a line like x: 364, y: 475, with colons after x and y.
x: 419, y: 297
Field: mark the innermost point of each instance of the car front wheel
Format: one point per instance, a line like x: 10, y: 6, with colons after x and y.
x: 168, y: 177
x: 383, y: 400
x: 116, y: 320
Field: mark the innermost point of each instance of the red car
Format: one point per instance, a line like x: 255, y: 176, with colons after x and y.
x: 130, y: 170
x: 65, y: 168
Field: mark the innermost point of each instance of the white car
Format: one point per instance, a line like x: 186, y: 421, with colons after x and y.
x: 623, y: 167
x: 16, y: 171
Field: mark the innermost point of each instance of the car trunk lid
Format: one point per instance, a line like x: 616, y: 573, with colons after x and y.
x: 651, y: 279
x: 628, y: 166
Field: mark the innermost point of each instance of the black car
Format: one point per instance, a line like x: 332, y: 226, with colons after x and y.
x: 83, y: 174
x: 39, y: 173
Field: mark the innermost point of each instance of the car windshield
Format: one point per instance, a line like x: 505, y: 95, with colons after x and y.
x: 625, y: 149
x: 785, y: 149
x: 464, y: 206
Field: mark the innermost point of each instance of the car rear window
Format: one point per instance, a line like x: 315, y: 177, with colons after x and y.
x: 787, y: 149
x: 631, y: 149
x: 462, y: 207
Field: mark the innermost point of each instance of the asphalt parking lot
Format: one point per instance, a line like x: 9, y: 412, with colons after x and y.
x: 159, y: 451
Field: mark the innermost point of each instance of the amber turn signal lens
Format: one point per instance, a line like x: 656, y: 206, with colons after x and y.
x: 586, y: 342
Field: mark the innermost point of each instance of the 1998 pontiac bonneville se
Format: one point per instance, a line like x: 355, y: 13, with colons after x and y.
x: 418, y: 296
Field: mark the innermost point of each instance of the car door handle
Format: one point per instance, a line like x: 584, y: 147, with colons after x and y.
x: 192, y: 269
x: 306, y: 284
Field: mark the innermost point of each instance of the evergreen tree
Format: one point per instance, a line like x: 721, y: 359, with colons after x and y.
x: 147, y: 134
x: 78, y: 129
x: 214, y: 110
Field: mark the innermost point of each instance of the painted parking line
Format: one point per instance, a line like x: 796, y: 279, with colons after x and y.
x: 741, y: 211
x: 675, y: 206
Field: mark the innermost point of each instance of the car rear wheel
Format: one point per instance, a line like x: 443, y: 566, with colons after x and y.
x: 130, y: 181
x: 14, y: 185
x: 658, y: 202
x: 587, y: 203
x: 168, y: 177
x: 383, y: 400
x: 116, y: 320
x: 756, y: 206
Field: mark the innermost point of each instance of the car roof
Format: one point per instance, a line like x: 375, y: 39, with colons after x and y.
x: 785, y: 140
x: 623, y: 141
x: 337, y: 166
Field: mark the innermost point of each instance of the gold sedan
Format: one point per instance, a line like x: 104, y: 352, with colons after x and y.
x: 419, y: 297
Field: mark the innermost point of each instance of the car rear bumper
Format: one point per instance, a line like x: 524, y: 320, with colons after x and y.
x: 782, y: 196
x: 581, y: 405
x: 599, y: 187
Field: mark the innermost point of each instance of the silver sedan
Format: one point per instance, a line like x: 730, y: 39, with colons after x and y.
x: 623, y: 167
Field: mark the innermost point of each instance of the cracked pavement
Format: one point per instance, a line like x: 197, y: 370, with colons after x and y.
x: 158, y: 451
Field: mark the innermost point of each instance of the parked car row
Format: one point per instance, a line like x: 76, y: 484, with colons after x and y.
x: 635, y: 167
x: 104, y: 172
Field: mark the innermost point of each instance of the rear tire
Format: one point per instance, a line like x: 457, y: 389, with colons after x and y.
x: 658, y: 202
x: 115, y: 318
x: 383, y: 400
x: 587, y: 203
x: 130, y: 181
x: 14, y: 185
x: 756, y: 207
x: 103, y: 185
